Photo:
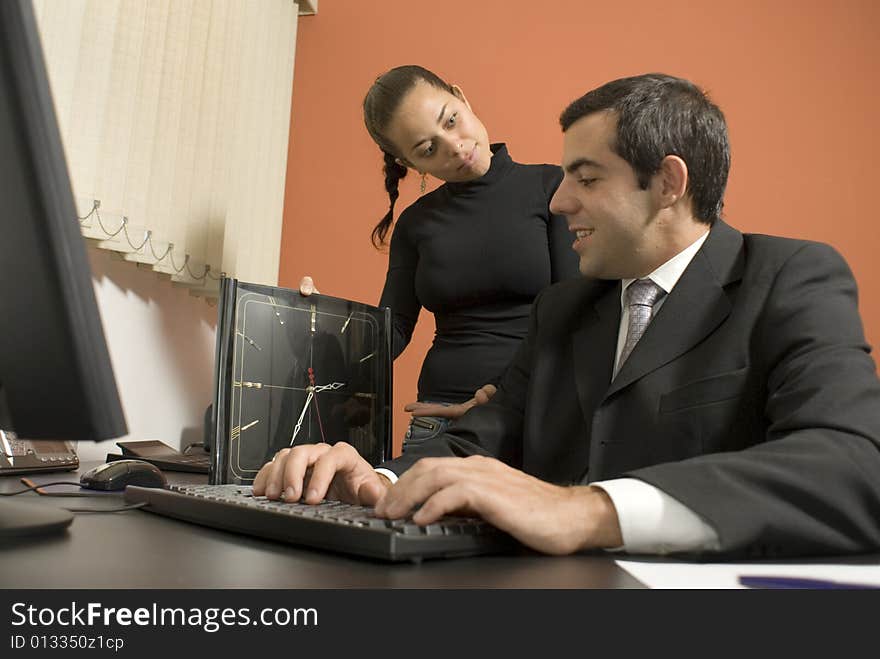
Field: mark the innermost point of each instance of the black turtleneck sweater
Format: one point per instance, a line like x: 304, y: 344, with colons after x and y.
x: 476, y: 254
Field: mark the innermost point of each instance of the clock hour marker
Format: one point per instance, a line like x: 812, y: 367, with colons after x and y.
x: 361, y: 361
x: 347, y: 321
x: 251, y: 424
x: 249, y: 340
x: 313, y: 317
x: 274, y: 305
x: 235, y: 432
x: 252, y: 385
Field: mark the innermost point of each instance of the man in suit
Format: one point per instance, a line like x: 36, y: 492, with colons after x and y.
x: 700, y: 390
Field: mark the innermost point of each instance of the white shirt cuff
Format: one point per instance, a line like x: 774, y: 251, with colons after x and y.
x: 390, y: 475
x: 652, y: 522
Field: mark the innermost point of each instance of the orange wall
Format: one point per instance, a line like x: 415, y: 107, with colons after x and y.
x: 796, y: 79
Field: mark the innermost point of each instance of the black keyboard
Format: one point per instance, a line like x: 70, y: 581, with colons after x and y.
x: 329, y: 525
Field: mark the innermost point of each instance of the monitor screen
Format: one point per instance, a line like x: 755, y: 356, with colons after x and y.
x: 56, y: 379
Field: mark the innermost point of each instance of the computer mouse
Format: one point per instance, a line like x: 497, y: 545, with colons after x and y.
x: 119, y: 473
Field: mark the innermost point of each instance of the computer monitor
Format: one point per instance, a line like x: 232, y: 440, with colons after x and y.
x: 56, y: 379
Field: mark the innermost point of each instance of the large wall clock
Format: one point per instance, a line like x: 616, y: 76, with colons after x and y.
x: 296, y: 370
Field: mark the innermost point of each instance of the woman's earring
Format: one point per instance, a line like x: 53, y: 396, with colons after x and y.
x: 424, y: 183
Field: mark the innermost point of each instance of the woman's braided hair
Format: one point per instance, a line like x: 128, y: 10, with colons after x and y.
x: 380, y: 104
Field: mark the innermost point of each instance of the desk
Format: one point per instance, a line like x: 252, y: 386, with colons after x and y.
x: 137, y: 549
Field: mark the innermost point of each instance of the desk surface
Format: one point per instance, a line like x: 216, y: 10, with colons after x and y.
x: 137, y: 549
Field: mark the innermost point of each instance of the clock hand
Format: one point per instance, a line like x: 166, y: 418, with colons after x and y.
x: 312, y: 389
x: 302, y: 414
x: 317, y: 407
x: 332, y: 385
x: 320, y: 424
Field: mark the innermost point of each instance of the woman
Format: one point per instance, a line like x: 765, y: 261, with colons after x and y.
x: 475, y: 251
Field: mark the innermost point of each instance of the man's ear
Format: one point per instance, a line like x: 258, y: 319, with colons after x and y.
x: 456, y: 91
x: 671, y: 181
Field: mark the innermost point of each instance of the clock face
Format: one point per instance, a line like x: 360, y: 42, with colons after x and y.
x: 300, y: 370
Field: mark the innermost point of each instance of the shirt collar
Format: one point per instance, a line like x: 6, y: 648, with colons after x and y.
x: 668, y: 274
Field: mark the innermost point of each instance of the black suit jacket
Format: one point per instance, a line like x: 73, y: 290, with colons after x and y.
x: 751, y: 398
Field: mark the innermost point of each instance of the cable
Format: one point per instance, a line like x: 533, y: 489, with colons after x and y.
x: 35, y: 488
x: 38, y: 489
x: 108, y: 510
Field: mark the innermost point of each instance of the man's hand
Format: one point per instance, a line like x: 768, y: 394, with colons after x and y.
x: 307, y: 287
x: 481, y: 395
x: 546, y: 517
x: 322, y: 471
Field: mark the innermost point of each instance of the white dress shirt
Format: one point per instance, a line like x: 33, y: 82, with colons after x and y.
x: 651, y: 521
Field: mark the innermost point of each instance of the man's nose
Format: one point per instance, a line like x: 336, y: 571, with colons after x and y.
x: 562, y: 203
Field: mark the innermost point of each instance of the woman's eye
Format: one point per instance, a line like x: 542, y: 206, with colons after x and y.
x: 587, y: 182
x: 452, y: 119
x: 429, y: 150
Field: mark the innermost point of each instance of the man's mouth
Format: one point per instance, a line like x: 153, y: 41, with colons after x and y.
x: 581, y: 236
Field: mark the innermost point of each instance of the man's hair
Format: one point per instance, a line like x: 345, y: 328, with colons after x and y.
x: 659, y: 115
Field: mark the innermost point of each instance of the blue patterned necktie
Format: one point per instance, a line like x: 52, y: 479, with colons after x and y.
x: 641, y: 296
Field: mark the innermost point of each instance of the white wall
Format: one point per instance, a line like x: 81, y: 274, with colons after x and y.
x: 161, y: 342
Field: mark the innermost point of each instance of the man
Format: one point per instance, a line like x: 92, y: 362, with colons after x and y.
x: 722, y: 403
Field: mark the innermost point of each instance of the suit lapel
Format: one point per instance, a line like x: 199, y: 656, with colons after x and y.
x: 593, y: 347
x: 696, y: 306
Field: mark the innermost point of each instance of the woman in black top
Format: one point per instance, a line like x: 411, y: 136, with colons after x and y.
x: 475, y: 252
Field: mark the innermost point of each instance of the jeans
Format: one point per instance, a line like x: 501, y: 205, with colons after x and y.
x: 423, y: 428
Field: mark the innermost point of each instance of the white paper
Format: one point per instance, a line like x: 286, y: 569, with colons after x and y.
x: 669, y: 573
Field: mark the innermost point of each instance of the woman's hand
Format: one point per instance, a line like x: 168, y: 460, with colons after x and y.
x: 307, y: 286
x: 481, y: 396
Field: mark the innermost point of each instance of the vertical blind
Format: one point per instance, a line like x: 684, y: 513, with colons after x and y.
x: 175, y: 116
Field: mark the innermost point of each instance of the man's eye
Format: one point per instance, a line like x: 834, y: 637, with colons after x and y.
x: 586, y: 182
x: 452, y: 119
x: 429, y: 151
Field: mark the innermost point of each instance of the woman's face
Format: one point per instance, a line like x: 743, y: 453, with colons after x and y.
x: 436, y: 133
